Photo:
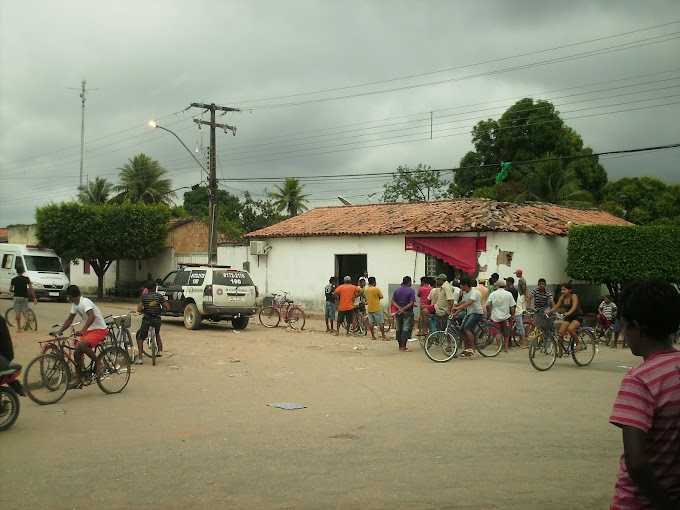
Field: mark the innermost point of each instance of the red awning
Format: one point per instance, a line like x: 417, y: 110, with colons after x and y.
x: 460, y: 252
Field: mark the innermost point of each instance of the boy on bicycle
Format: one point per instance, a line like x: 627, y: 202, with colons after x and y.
x: 91, y: 334
x: 607, y: 312
x: 151, y: 304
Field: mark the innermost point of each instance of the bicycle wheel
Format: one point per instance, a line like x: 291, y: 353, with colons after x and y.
x: 129, y: 346
x: 296, y: 318
x: 488, y: 340
x: 386, y: 320
x: 514, y: 336
x: 543, y: 352
x: 32, y: 324
x: 609, y: 336
x: 440, y: 346
x: 10, y: 317
x: 153, y: 346
x: 269, y: 317
x: 115, y: 374
x: 584, y: 352
x: 46, y: 379
x: 9, y: 407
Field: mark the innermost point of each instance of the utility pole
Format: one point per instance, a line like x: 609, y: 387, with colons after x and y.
x: 212, y: 184
x: 83, y: 91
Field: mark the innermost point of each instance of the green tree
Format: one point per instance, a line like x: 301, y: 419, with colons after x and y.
x: 141, y: 180
x: 420, y: 184
x: 103, y: 233
x: 625, y: 260
x: 228, y: 209
x: 527, y: 131
x: 95, y: 192
x: 643, y: 200
x: 257, y: 214
x: 552, y: 182
x: 289, y: 197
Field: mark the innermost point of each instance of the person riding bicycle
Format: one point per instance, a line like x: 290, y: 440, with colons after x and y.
x: 151, y: 304
x: 607, y: 313
x: 573, y: 315
x: 472, y: 303
x: 92, y: 333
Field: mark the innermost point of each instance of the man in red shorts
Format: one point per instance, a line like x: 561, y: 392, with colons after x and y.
x: 91, y: 334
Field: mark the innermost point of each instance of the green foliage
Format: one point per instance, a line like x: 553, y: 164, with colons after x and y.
x: 643, y: 200
x: 616, y: 255
x: 289, y: 197
x: 528, y: 130
x: 257, y: 214
x: 95, y: 192
x: 141, y: 180
x: 418, y: 184
x: 103, y: 233
x: 553, y: 182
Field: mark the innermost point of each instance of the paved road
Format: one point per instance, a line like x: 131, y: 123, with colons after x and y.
x: 382, y: 429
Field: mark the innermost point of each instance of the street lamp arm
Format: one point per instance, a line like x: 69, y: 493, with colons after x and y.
x: 154, y: 125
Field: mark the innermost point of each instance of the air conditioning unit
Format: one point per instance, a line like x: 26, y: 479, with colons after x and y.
x: 259, y: 248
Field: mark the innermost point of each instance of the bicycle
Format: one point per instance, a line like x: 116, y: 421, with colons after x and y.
x: 48, y: 375
x: 358, y: 324
x: 528, y: 322
x: 606, y: 332
x: 119, y: 334
x: 543, y: 349
x: 442, y: 345
x: 152, y: 344
x: 32, y: 324
x: 282, y: 307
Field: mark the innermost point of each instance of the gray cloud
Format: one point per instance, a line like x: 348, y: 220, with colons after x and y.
x: 151, y: 59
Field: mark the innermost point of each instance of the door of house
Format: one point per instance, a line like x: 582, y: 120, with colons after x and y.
x: 352, y: 265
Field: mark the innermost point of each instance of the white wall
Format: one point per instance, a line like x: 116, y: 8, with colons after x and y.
x: 303, y: 266
x: 88, y: 282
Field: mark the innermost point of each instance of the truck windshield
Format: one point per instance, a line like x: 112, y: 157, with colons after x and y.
x: 45, y: 264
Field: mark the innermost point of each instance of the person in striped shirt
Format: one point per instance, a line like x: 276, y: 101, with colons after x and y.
x: 152, y: 305
x: 647, y: 407
x: 541, y: 297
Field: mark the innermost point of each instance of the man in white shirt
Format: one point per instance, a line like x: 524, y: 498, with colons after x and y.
x: 501, y: 307
x: 91, y: 334
x: 472, y: 301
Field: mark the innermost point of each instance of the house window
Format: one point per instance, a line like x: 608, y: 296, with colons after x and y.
x: 431, y: 265
x: 86, y: 267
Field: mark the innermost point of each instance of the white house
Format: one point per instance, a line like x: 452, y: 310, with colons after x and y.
x: 474, y: 236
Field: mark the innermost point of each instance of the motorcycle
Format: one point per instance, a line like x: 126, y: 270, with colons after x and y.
x: 10, y: 389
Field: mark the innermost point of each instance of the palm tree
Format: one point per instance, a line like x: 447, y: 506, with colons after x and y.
x: 289, y: 197
x: 141, y: 181
x: 95, y: 192
x: 552, y: 182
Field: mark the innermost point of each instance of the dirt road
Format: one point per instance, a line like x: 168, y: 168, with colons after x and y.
x: 382, y: 429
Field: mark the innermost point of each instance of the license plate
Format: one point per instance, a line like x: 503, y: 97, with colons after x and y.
x: 55, y: 294
x: 236, y: 298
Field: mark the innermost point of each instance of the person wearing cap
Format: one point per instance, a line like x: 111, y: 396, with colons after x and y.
x: 447, y: 296
x: 472, y: 303
x: 403, y: 299
x: 346, y: 294
x: 522, y: 284
x: 482, y: 288
x: 501, y: 307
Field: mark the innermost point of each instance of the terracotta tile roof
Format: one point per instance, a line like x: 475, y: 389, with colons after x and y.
x: 444, y: 216
x: 4, y: 234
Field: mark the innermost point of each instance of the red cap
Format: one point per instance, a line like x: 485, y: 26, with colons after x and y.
x: 519, y: 271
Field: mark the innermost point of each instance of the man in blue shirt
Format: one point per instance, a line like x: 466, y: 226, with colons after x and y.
x: 403, y: 300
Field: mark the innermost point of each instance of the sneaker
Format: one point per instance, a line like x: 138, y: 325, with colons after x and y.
x: 139, y: 361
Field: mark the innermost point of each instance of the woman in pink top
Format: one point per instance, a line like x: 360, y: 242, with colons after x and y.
x: 423, y: 293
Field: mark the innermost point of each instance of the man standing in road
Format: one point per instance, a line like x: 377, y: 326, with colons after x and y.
x: 374, y: 308
x: 502, y: 306
x: 403, y: 300
x: 519, y: 309
x: 20, y: 286
x: 346, y: 294
x: 522, y: 284
x: 331, y: 303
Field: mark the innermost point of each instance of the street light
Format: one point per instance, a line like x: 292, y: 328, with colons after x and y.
x: 154, y: 125
x: 212, y: 224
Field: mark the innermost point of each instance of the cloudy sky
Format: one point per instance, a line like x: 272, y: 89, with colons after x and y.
x: 326, y: 88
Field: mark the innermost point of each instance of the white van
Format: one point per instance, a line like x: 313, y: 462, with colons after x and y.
x: 40, y: 264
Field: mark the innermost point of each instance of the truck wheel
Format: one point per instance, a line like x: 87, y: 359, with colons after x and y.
x: 240, y: 323
x: 192, y: 317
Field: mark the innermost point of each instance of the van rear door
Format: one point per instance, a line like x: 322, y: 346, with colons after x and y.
x: 232, y: 288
